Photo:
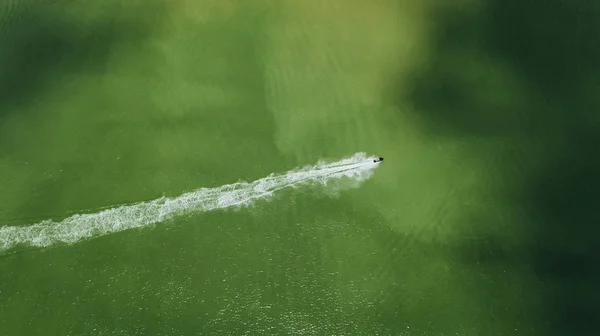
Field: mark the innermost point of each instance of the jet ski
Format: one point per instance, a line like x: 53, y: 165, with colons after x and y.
x: 379, y: 159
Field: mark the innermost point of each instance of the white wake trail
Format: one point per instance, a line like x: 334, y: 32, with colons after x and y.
x: 350, y: 172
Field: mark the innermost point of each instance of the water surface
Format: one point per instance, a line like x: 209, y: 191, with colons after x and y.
x: 104, y: 103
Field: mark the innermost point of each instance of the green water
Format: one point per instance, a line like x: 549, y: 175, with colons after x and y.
x: 104, y: 103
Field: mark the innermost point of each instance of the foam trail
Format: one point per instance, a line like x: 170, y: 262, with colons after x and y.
x: 356, y: 169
